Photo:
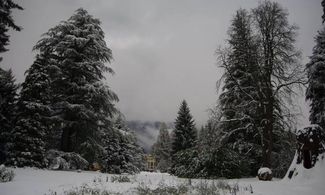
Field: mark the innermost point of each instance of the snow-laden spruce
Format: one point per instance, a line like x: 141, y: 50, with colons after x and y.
x: 162, y: 149
x: 122, y: 153
x: 8, y: 97
x: 6, y: 22
x: 8, y: 88
x: 316, y: 81
x: 65, y: 103
x: 184, y: 139
x: 262, y: 71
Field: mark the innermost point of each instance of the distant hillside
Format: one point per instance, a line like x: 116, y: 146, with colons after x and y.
x: 147, y: 132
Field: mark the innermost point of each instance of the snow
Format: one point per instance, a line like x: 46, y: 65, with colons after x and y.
x: 309, y: 129
x: 264, y: 170
x: 29, y: 181
x: 303, y: 175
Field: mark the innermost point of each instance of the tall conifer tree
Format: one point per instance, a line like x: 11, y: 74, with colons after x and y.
x: 162, y: 149
x: 84, y: 103
x: 28, y: 136
x: 261, y: 69
x: 123, y: 154
x: 184, y: 135
x: 8, y: 97
x: 8, y: 87
x: 316, y: 81
x: 6, y: 22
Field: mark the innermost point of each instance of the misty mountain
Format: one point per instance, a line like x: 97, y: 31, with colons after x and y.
x: 147, y: 132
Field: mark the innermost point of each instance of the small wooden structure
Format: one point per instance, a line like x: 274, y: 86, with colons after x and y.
x: 151, y: 163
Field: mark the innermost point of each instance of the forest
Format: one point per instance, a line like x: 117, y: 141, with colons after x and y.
x: 64, y: 116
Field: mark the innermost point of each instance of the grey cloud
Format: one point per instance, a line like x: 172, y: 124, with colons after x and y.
x: 163, y: 50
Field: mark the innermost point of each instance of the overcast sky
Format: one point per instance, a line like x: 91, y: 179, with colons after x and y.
x: 163, y: 50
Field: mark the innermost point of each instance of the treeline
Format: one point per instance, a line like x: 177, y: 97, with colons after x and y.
x: 252, y: 124
x: 64, y: 103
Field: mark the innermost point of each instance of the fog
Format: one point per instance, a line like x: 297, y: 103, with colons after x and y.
x: 163, y: 50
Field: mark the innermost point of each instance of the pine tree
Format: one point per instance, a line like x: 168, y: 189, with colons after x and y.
x: 185, y: 134
x: 7, y: 22
x: 239, y: 100
x: 184, y: 139
x: 123, y: 154
x: 82, y: 102
x: 316, y: 81
x: 28, y: 136
x: 8, y: 88
x: 8, y: 97
x: 162, y: 149
x: 261, y: 70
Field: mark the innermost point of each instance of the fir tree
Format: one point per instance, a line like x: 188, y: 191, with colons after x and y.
x: 185, y: 134
x: 239, y: 101
x: 28, y: 141
x: 8, y: 88
x: 184, y: 139
x: 162, y: 149
x: 82, y: 102
x: 6, y: 22
x: 261, y: 70
x: 123, y: 154
x: 8, y: 97
x: 316, y: 81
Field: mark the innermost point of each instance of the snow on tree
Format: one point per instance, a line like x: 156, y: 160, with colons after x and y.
x: 308, y: 163
x: 239, y: 105
x: 58, y: 160
x: 311, y: 142
x: 184, y: 138
x: 262, y: 72
x: 123, y: 154
x: 83, y: 103
x: 8, y: 87
x: 28, y: 136
x: 162, y: 149
x: 217, y: 159
x: 7, y: 22
x: 281, y: 72
x: 264, y: 174
x: 316, y: 81
x: 185, y: 134
x: 8, y: 97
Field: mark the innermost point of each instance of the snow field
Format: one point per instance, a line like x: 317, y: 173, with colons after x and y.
x: 30, y: 181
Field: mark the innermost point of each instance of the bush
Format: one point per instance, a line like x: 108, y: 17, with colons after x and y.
x: 205, y: 188
x: 5, y: 174
x: 86, y: 190
x: 162, y: 189
x: 58, y: 160
x: 216, y: 163
x: 120, y: 179
x: 220, y: 187
x: 264, y: 174
x: 186, y: 163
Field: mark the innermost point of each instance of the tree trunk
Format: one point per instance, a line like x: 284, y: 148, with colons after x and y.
x: 66, y: 140
x: 268, y: 127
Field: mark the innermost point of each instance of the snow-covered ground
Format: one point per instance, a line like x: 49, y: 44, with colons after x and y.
x: 29, y: 181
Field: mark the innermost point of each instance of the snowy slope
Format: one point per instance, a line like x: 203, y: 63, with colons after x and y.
x: 313, y: 178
